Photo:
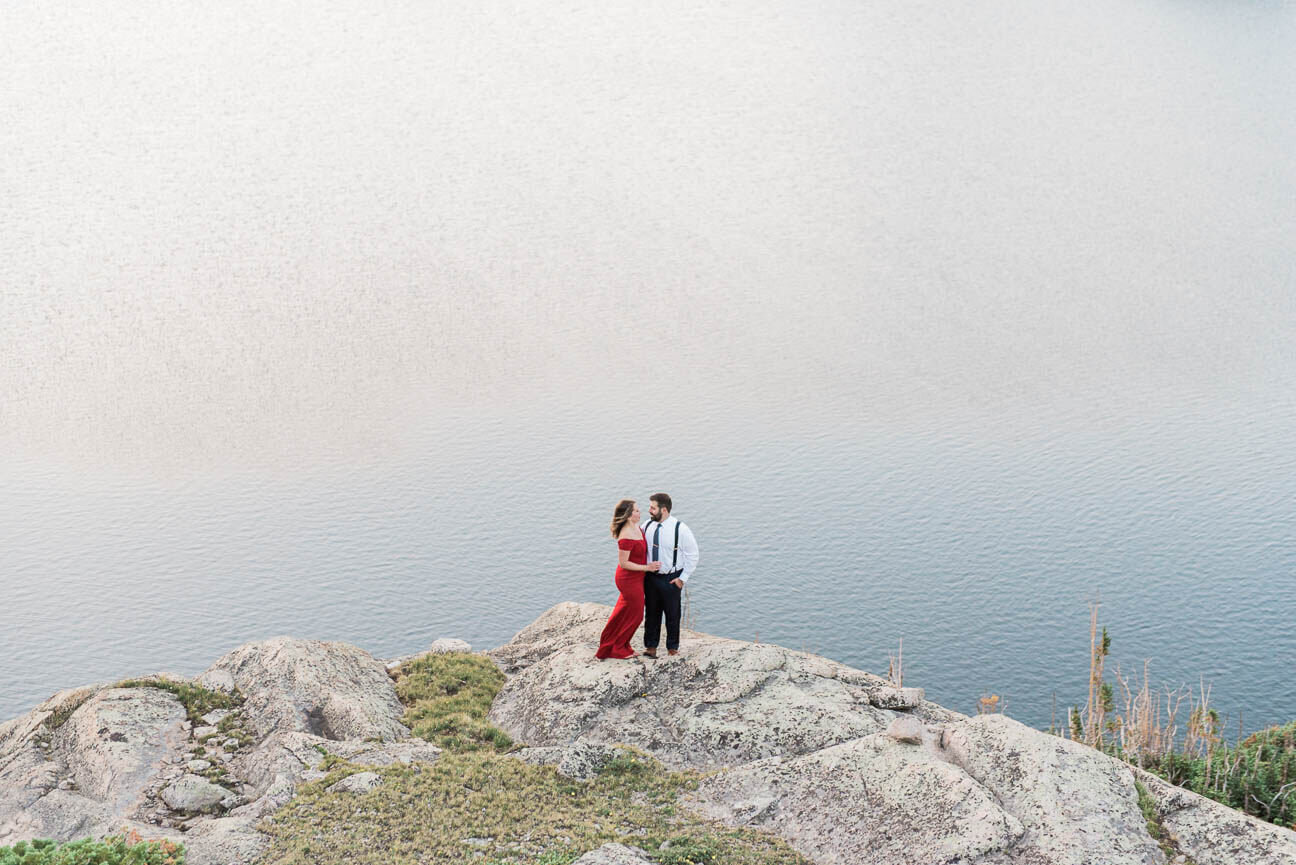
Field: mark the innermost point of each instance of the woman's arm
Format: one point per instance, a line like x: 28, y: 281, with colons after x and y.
x: 627, y: 565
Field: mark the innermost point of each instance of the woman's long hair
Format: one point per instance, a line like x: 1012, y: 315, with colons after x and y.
x: 621, y: 515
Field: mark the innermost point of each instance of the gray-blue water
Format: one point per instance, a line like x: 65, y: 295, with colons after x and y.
x: 937, y: 320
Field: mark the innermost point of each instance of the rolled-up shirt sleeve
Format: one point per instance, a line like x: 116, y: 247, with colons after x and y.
x: 689, y: 550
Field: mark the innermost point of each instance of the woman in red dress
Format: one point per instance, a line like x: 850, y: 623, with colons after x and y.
x: 628, y: 613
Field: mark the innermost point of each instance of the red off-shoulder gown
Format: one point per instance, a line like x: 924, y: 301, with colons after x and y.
x: 628, y: 613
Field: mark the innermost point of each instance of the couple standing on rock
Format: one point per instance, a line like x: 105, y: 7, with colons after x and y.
x: 654, y: 582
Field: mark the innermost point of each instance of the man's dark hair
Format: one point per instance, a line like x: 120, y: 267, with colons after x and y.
x: 662, y: 500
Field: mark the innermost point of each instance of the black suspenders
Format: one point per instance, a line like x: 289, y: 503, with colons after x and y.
x: 675, y: 550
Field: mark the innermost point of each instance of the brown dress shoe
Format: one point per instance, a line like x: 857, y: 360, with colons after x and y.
x: 672, y: 651
x: 650, y: 653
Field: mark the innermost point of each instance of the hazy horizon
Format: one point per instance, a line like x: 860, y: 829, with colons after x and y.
x: 936, y: 319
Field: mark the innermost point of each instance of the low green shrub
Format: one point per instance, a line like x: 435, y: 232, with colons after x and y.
x: 121, y: 850
x: 1258, y: 776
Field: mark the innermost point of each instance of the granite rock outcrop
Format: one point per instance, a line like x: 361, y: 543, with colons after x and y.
x: 102, y: 760
x: 849, y: 769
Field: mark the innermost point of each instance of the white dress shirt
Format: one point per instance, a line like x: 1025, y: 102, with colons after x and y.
x: 684, y: 559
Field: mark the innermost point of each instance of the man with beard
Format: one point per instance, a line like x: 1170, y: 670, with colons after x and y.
x: 671, y: 543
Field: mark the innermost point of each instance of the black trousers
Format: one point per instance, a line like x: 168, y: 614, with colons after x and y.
x: 661, y: 598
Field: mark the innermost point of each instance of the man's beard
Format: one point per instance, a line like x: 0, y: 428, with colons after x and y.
x: 656, y: 518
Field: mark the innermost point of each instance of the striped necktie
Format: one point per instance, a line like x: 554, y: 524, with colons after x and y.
x: 656, y: 537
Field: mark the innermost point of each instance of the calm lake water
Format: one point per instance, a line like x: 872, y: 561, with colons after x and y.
x: 937, y: 319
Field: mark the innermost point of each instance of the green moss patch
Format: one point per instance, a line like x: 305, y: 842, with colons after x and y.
x: 447, y: 697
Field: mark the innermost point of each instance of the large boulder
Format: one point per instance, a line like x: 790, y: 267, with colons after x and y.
x: 720, y: 702
x: 84, y: 759
x: 333, y: 690
x: 1078, y: 805
x: 92, y: 761
x: 192, y: 794
x: 115, y: 742
x: 448, y: 645
x: 865, y: 801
